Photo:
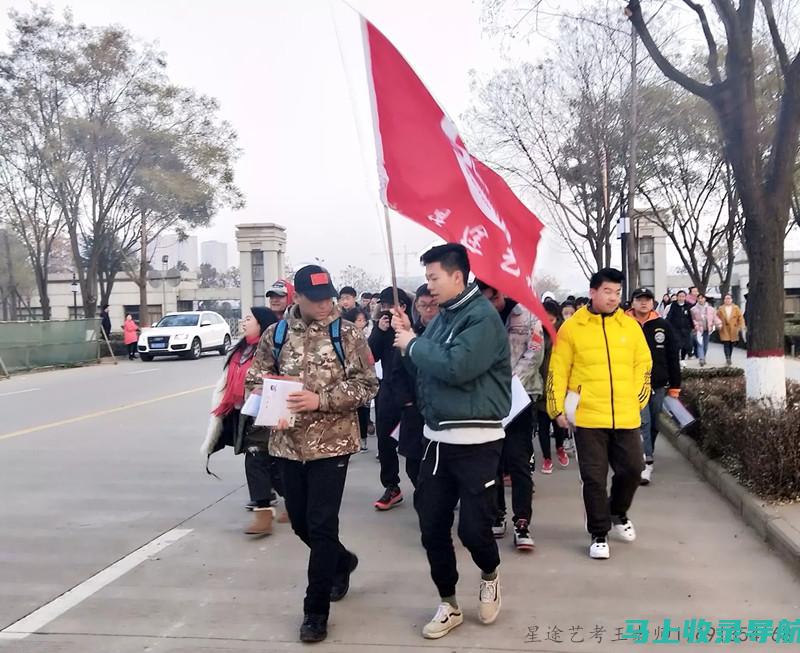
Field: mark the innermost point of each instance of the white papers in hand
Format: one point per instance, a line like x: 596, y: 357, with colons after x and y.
x: 274, y: 406
x: 571, y: 406
x: 519, y: 400
x: 252, y: 405
x: 678, y: 411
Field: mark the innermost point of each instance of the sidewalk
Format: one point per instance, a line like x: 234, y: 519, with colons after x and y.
x: 716, y: 358
x: 216, y: 590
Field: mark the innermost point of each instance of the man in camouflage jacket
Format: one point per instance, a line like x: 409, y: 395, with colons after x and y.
x: 313, y: 453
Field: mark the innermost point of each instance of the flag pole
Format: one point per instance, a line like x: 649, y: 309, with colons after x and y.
x: 392, y: 267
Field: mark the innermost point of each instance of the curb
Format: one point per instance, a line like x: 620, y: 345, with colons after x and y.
x: 771, y: 527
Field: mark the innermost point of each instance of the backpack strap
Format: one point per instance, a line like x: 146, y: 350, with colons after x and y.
x: 278, y: 341
x: 335, y: 330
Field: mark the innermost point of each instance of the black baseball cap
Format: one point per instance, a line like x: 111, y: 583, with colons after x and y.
x: 348, y: 290
x: 314, y: 282
x: 642, y: 292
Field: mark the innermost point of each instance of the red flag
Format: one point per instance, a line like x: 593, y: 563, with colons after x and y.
x: 428, y: 175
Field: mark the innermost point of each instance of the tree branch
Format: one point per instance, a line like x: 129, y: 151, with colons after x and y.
x: 777, y: 42
x: 634, y: 13
x: 713, y: 53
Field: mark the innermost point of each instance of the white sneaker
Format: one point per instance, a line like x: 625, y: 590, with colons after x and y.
x: 499, y: 527
x: 489, y: 600
x: 599, y: 549
x: 647, y: 474
x: 446, y: 618
x: 625, y: 531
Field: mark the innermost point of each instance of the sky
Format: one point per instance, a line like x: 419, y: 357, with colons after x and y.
x: 290, y: 78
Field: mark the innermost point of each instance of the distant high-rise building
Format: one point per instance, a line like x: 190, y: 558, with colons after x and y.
x: 177, y: 250
x: 215, y: 254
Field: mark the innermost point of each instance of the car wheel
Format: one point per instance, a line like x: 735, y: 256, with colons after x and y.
x: 146, y: 358
x: 226, y: 345
x: 196, y: 351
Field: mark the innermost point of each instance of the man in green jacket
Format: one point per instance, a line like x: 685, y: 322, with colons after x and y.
x: 463, y: 371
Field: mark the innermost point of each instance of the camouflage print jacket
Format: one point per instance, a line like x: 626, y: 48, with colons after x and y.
x: 308, y: 354
x: 526, y: 342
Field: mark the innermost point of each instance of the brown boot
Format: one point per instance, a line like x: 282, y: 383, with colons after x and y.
x: 262, y: 522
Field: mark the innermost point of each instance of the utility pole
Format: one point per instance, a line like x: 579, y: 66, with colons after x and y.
x: 631, y: 242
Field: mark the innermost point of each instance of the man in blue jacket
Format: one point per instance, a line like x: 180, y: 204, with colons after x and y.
x: 463, y: 372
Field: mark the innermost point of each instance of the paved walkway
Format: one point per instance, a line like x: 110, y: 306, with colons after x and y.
x: 82, y: 495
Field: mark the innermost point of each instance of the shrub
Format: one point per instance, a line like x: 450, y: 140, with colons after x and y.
x: 759, y: 445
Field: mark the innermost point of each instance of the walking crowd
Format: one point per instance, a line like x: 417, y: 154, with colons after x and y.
x: 467, y: 377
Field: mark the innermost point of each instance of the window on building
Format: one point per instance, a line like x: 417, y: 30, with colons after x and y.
x: 76, y: 313
x: 154, y: 313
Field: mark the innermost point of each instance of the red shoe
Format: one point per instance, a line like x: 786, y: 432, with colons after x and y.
x: 547, y: 466
x: 563, y: 458
x: 392, y: 497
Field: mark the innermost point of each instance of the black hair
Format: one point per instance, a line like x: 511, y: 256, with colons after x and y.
x: 552, y: 308
x: 351, y: 314
x: 680, y: 291
x: 581, y: 301
x: 348, y: 290
x: 451, y: 257
x: 423, y: 291
x: 606, y: 275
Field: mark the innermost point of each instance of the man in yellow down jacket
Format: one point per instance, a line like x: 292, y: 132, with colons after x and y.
x: 601, y: 362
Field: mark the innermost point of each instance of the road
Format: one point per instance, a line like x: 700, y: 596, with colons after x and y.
x: 98, y: 462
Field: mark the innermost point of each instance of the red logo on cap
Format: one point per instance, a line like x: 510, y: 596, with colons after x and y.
x: 320, y: 279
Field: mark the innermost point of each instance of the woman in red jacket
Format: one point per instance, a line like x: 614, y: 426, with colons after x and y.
x: 130, y: 332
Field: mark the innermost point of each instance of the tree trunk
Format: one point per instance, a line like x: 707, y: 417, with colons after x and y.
x: 41, y: 286
x: 765, y: 371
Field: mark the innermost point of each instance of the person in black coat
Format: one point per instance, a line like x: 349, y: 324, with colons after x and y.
x: 665, y: 376
x: 680, y: 319
x: 105, y: 321
x: 412, y: 424
x: 388, y: 408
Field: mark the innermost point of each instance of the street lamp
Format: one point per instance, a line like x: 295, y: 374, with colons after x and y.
x: 74, y: 287
x: 164, y: 263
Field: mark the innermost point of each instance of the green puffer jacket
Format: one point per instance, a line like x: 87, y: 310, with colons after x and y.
x: 462, y: 365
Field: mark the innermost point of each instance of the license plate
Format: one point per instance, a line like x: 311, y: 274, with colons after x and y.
x: 158, y: 345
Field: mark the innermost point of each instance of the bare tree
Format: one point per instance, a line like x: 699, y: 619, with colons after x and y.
x: 761, y: 146
x: 558, y: 130
x: 683, y: 184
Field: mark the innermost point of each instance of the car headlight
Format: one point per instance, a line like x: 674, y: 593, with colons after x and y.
x: 182, y: 336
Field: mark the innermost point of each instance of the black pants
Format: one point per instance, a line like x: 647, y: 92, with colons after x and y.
x: 132, y: 350
x: 263, y: 476
x: 543, y: 428
x: 727, y: 345
x: 363, y: 421
x: 450, y: 473
x: 686, y: 344
x: 515, y: 460
x: 313, y: 492
x: 596, y: 450
x: 387, y: 417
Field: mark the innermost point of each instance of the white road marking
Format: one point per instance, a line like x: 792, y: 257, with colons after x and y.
x: 58, y: 606
x: 149, y: 369
x: 18, y: 392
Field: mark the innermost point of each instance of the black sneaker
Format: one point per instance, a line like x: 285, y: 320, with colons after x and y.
x: 392, y: 497
x: 341, y: 584
x: 314, y: 628
x: 251, y: 505
x: 499, y: 527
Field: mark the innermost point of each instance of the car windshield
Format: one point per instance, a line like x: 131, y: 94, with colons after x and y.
x: 179, y: 321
